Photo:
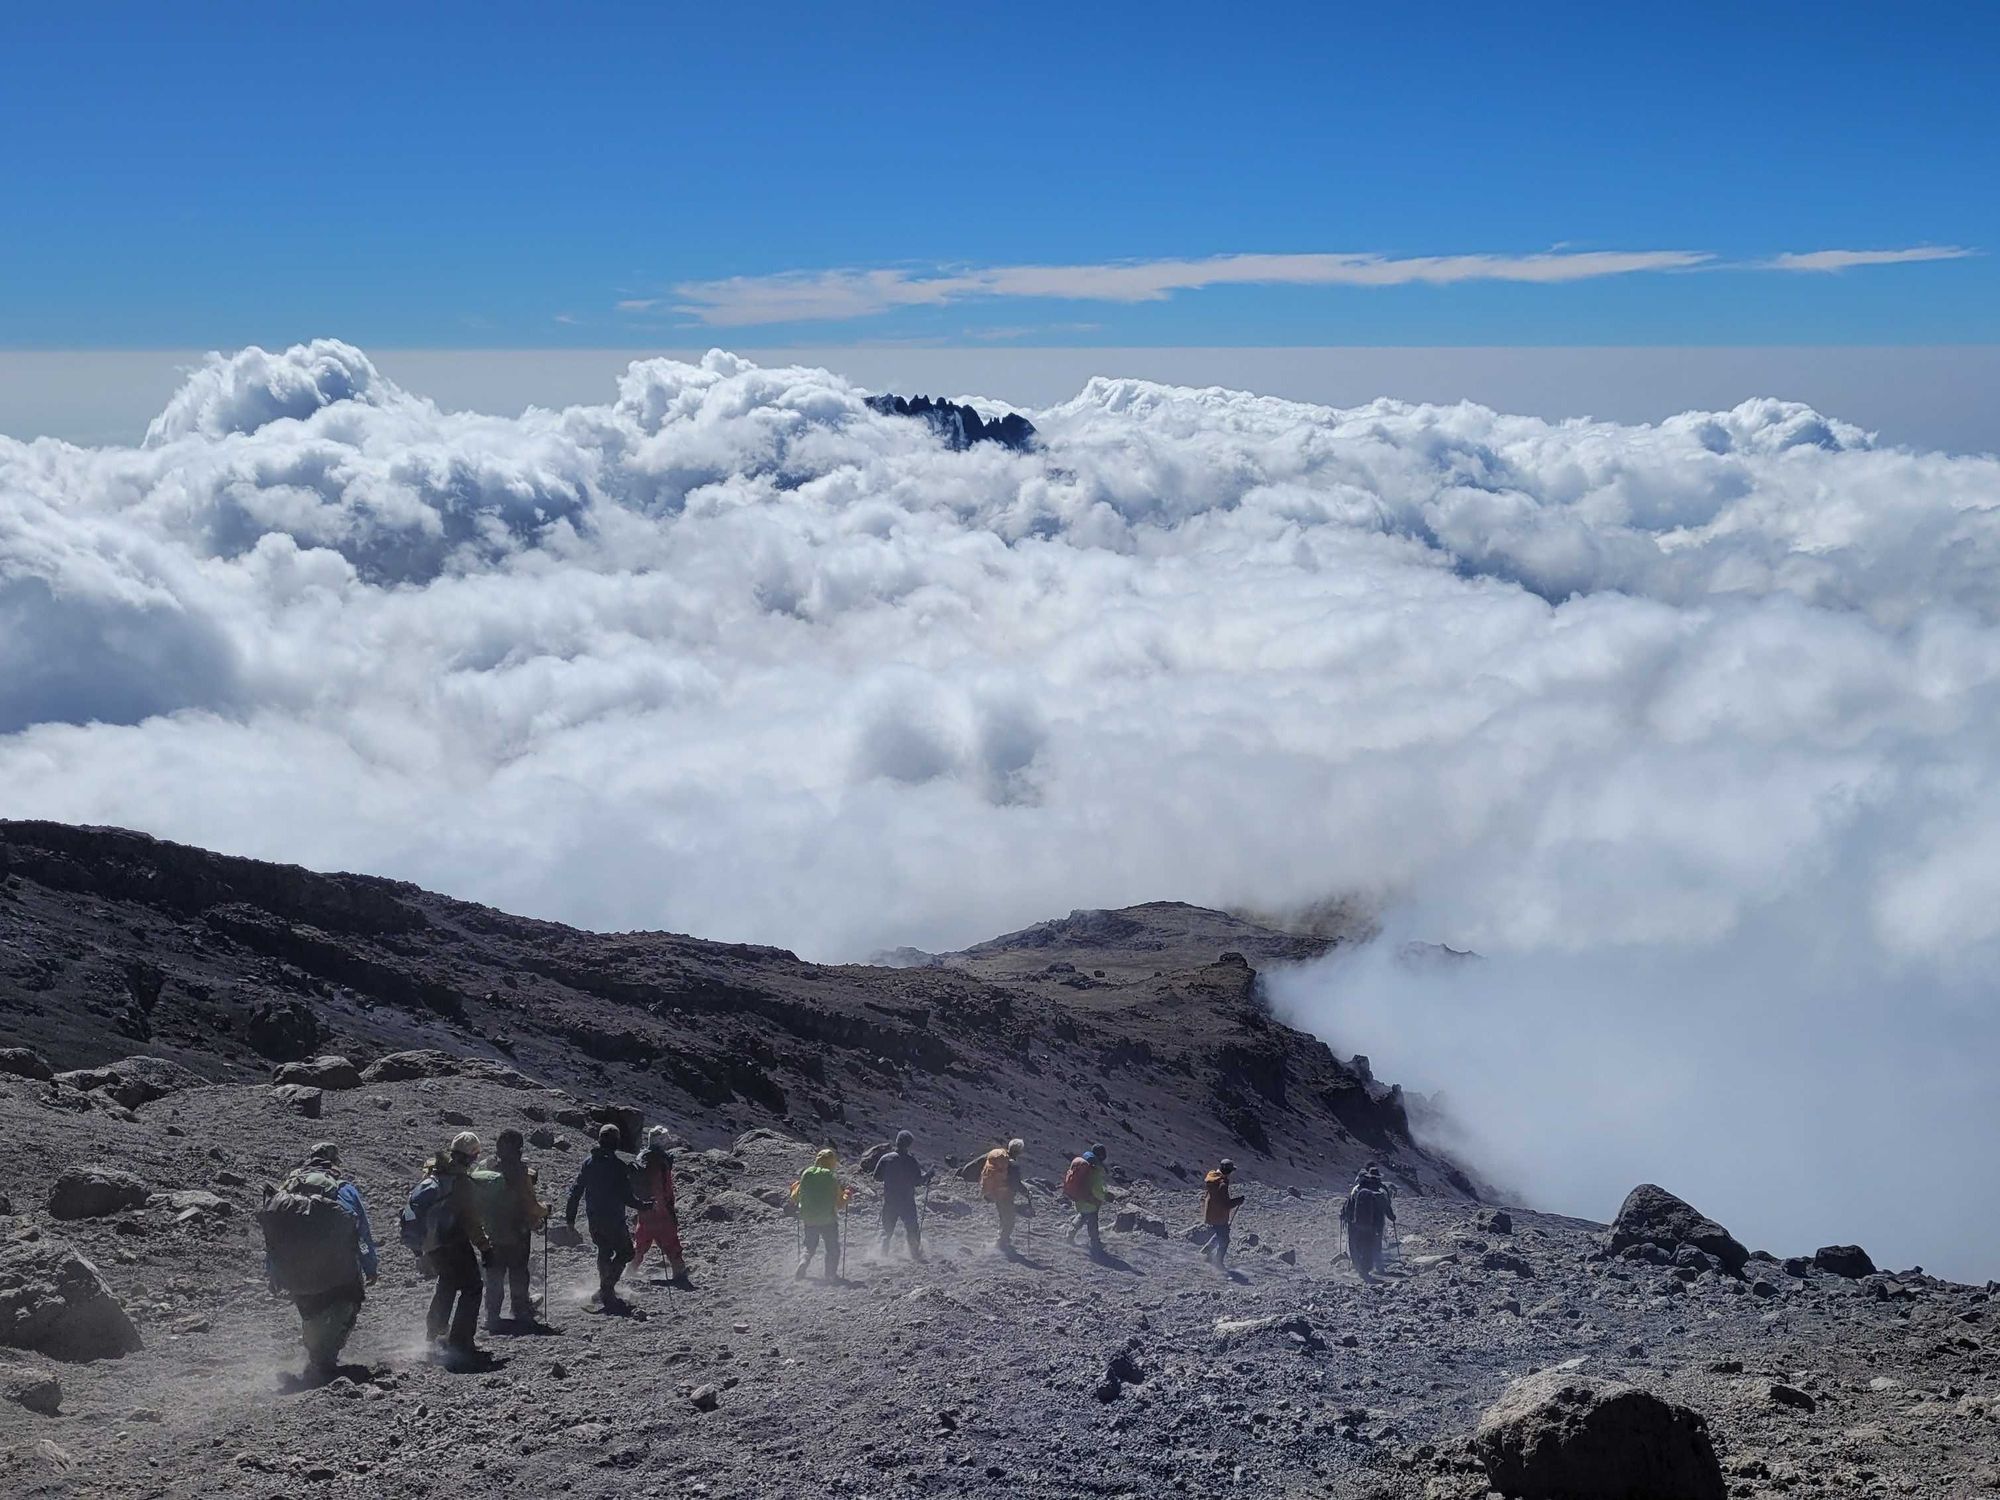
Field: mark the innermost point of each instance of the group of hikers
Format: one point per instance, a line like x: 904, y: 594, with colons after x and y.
x: 472, y: 1227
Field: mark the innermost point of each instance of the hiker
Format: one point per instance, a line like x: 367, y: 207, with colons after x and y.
x: 320, y: 1248
x: 604, y: 1188
x: 1216, y: 1207
x: 1084, y: 1186
x: 442, y: 1223
x: 512, y: 1213
x: 660, y: 1224
x: 1368, y: 1211
x: 901, y: 1174
x: 1000, y: 1184
x: 820, y: 1198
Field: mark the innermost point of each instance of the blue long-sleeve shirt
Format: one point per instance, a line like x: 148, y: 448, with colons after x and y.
x: 349, y: 1198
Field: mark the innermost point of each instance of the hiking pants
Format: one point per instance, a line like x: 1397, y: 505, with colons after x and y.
x: 661, y: 1230
x: 1008, y: 1212
x: 1364, y: 1248
x: 905, y: 1214
x: 1217, y: 1247
x: 454, y: 1310
x: 507, y: 1271
x: 614, y: 1253
x: 325, y: 1321
x: 1086, y: 1218
x: 829, y: 1236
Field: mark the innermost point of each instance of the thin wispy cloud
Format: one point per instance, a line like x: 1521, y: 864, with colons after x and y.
x: 843, y: 294
x: 1847, y: 260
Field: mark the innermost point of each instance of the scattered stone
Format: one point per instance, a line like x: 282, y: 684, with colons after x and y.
x: 94, y: 1192
x: 1850, y: 1261
x: 705, y: 1398
x: 1762, y: 1288
x: 1493, y: 1221
x: 1505, y: 1260
x: 1780, y: 1394
x: 1559, y: 1435
x: 53, y: 1301
x: 1650, y: 1215
x: 1289, y: 1257
x: 324, y: 1072
x: 300, y: 1099
x: 731, y: 1206
x: 133, y: 1081
x: 32, y: 1385
x: 542, y: 1137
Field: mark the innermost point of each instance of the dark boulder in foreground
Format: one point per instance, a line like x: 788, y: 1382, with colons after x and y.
x: 53, y: 1301
x: 1844, y: 1260
x: 960, y: 426
x: 94, y: 1192
x: 1651, y: 1215
x: 1562, y: 1436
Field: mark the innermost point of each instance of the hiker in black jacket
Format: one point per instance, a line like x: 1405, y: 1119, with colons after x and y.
x: 1367, y: 1213
x: 901, y: 1174
x: 604, y: 1188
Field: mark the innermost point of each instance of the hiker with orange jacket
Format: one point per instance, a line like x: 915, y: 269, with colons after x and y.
x: 1216, y: 1207
x: 660, y: 1224
x: 1001, y: 1184
x: 1084, y: 1186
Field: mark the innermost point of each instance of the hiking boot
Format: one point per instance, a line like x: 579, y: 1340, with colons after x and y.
x: 681, y: 1279
x: 800, y: 1273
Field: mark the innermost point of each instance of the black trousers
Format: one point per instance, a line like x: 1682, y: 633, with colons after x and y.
x: 905, y: 1214
x: 614, y: 1253
x: 454, y: 1310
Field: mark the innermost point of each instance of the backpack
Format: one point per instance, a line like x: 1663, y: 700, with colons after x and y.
x: 426, y: 1217
x: 1368, y: 1204
x: 1076, y: 1181
x: 313, y: 1243
x: 993, y: 1176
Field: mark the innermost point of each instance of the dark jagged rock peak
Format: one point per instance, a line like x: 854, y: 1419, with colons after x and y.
x: 960, y: 426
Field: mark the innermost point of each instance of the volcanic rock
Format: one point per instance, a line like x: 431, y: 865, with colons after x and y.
x: 959, y: 426
x: 1561, y: 1436
x: 133, y: 1081
x: 53, y: 1301
x: 1653, y: 1216
x: 24, y: 1062
x: 93, y: 1192
x: 299, y: 1099
x: 283, y: 1030
x: 27, y: 1382
x: 1844, y: 1260
x: 327, y: 1072
x: 1493, y: 1221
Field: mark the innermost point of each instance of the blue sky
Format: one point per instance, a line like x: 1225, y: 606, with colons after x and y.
x: 510, y: 175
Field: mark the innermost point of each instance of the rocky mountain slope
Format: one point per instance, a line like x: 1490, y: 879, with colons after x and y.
x: 167, y: 1015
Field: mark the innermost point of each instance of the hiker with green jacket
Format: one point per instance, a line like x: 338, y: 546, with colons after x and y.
x: 820, y: 1197
x: 1085, y: 1188
x: 512, y: 1213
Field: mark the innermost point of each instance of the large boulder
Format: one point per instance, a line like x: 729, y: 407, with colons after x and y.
x: 93, y: 1192
x: 22, y: 1062
x: 1651, y: 1215
x: 133, y: 1081
x: 1844, y: 1260
x: 53, y: 1301
x: 319, y: 1073
x: 1562, y: 1436
x: 300, y: 1099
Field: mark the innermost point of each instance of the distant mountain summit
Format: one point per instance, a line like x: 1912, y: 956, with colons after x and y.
x: 960, y: 426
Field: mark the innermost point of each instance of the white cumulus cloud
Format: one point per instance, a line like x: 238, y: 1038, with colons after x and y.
x: 1689, y: 728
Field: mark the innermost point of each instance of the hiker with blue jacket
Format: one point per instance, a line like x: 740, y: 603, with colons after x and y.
x: 604, y: 1189
x: 319, y: 1248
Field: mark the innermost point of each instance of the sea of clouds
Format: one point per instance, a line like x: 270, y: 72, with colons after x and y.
x: 1691, y: 730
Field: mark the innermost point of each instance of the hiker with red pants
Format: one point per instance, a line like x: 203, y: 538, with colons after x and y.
x: 660, y: 1224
